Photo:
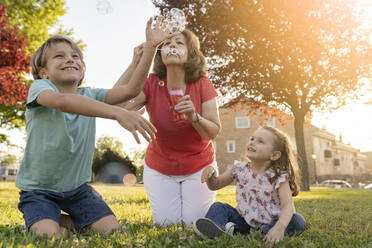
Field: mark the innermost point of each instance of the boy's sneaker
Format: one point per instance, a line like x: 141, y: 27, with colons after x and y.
x: 204, y: 226
x: 230, y: 228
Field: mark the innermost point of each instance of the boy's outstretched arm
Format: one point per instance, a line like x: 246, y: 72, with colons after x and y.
x: 125, y: 90
x: 216, y: 182
x: 77, y: 104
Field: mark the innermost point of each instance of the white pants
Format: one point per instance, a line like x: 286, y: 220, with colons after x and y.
x: 177, y: 198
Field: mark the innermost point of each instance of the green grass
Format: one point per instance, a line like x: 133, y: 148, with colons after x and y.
x: 335, y: 218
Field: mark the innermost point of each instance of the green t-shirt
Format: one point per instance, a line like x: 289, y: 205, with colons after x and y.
x: 60, y: 146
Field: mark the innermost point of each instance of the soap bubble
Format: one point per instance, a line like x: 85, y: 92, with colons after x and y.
x: 165, y: 12
x: 174, y: 19
x: 104, y: 7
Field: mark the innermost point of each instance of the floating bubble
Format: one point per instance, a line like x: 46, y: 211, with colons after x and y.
x: 104, y: 7
x: 165, y: 12
x: 174, y: 19
x: 174, y: 51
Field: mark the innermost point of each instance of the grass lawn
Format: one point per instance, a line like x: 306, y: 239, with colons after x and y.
x: 335, y: 218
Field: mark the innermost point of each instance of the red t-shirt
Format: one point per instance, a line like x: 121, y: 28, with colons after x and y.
x: 178, y: 148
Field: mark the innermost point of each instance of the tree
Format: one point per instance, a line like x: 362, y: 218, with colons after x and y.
x: 294, y: 55
x: 138, y: 158
x: 106, y: 142
x: 8, y: 160
x: 108, y: 149
x: 13, y: 64
x: 109, y: 156
x: 34, y: 19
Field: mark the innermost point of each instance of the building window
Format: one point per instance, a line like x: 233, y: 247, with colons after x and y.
x: 230, y: 146
x: 271, y: 122
x: 242, y: 122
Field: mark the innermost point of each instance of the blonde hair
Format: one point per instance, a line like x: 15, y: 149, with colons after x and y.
x: 39, y: 60
x: 286, y: 161
x: 195, y: 66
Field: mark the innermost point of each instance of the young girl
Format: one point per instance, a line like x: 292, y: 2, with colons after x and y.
x: 264, y: 190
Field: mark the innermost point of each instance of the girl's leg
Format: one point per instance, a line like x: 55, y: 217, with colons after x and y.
x: 164, y: 196
x: 222, y: 213
x: 296, y: 226
x: 196, y: 198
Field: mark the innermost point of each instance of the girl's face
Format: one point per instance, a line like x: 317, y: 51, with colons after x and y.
x: 260, y: 147
x: 174, y: 50
x: 63, y: 64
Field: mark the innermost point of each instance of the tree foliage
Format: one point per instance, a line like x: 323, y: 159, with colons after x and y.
x: 13, y: 64
x: 33, y: 19
x: 109, y: 149
x: 8, y: 160
x: 109, y: 156
x: 294, y: 55
x: 106, y: 142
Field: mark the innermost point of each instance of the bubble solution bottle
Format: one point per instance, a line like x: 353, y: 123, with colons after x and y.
x: 175, y: 95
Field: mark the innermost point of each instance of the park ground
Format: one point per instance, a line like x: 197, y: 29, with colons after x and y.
x: 335, y: 218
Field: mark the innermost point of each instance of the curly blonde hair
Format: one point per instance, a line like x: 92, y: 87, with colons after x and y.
x: 39, y: 60
x: 195, y: 66
x: 286, y: 161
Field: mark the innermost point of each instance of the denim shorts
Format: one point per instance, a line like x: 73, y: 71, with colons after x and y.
x: 84, y: 205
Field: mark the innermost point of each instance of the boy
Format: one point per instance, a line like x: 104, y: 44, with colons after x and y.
x: 56, y: 166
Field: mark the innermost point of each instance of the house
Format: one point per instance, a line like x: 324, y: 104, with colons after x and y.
x: 368, y: 166
x: 328, y: 158
x: 8, y: 173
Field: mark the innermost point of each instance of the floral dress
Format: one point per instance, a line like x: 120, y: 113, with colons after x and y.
x: 257, y: 199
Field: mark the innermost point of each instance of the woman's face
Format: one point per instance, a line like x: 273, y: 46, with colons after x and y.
x: 174, y: 50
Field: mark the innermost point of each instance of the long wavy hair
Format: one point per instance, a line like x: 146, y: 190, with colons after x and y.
x: 195, y: 65
x: 286, y: 161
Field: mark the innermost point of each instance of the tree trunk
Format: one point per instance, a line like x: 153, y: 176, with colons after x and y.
x: 301, y: 151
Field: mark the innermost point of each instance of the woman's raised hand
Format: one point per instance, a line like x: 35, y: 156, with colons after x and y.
x: 157, y: 34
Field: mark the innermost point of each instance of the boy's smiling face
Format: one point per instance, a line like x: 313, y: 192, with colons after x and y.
x: 63, y: 64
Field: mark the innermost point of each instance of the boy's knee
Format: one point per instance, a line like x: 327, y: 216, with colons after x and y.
x: 49, y: 228
x: 107, y: 224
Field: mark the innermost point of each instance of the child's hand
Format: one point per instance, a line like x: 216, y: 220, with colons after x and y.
x: 133, y: 122
x: 137, y: 54
x: 159, y: 33
x: 208, y: 173
x: 275, y: 235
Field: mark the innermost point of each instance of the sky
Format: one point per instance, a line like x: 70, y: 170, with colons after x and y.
x: 110, y: 39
